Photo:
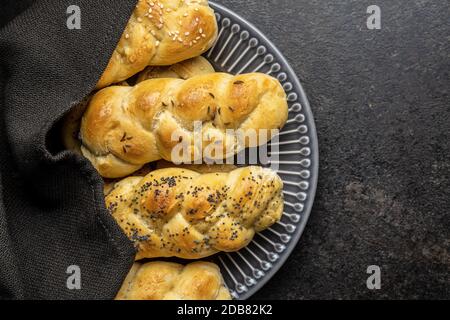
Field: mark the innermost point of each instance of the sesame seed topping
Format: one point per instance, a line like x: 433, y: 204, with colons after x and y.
x: 127, y: 36
x: 186, y: 33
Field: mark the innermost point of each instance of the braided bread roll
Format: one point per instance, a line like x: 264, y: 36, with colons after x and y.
x: 162, y: 164
x: 182, y: 70
x: 127, y: 127
x: 172, y: 281
x: 161, y: 32
x: 182, y: 213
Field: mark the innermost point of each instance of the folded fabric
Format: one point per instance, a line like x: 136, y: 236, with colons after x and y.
x: 53, y: 222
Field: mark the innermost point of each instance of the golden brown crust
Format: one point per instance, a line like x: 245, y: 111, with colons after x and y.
x: 200, y: 168
x: 171, y: 281
x: 163, y: 164
x: 182, y: 213
x: 183, y: 70
x: 126, y: 127
x: 161, y: 32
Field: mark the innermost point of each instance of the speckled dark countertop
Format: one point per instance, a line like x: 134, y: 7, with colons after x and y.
x: 382, y: 109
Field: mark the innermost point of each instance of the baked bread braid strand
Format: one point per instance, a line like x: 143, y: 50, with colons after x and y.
x: 161, y: 280
x: 176, y: 212
x: 163, y: 164
x: 124, y: 128
x: 161, y: 32
x: 183, y: 70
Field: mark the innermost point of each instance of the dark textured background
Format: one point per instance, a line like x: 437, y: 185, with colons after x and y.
x: 382, y: 109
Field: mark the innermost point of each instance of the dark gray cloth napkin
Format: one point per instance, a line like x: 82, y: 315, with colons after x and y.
x: 52, y: 214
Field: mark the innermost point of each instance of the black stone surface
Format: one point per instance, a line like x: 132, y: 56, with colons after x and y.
x: 381, y: 104
x: 382, y: 109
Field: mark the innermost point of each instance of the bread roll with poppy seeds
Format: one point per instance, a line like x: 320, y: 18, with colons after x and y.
x: 176, y: 212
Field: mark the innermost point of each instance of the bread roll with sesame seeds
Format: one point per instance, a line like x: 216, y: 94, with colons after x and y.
x: 176, y: 212
x: 124, y: 128
x: 162, y: 280
x: 159, y: 33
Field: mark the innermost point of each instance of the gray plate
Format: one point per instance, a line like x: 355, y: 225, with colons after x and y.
x: 241, y: 48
